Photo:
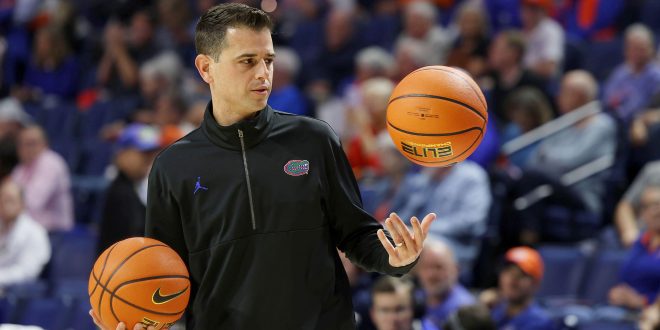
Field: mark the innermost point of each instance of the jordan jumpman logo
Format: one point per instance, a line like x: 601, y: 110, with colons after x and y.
x: 199, y: 186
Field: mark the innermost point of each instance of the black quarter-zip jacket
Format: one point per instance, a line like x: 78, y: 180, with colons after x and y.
x: 256, y: 210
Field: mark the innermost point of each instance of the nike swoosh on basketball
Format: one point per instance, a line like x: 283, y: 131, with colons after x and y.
x: 158, y: 299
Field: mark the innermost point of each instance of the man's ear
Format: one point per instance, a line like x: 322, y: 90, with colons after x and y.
x: 203, y: 65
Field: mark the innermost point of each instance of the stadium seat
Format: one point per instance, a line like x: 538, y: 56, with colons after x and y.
x: 80, y: 319
x: 71, y: 288
x: 74, y: 253
x: 48, y: 313
x: 603, y: 275
x: 33, y: 289
x: 608, y: 325
x: 564, y: 269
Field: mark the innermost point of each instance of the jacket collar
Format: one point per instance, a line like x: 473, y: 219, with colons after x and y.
x: 254, y: 129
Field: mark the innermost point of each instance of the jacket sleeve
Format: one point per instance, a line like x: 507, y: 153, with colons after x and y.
x: 353, y: 229
x: 163, y: 217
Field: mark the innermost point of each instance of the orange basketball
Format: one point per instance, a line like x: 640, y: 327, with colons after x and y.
x: 139, y: 280
x: 437, y: 116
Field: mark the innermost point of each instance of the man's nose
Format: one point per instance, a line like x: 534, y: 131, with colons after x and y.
x: 262, y: 70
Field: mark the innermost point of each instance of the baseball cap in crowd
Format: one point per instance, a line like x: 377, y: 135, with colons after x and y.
x: 139, y: 136
x: 528, y: 260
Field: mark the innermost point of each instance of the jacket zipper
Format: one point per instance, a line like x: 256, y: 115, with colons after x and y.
x: 247, y: 178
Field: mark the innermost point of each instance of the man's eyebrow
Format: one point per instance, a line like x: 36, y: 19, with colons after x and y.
x: 246, y: 55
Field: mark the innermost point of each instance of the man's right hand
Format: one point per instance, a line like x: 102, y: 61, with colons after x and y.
x: 120, y: 326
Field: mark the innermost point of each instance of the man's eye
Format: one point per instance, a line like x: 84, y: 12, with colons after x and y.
x: 269, y: 61
x: 247, y: 61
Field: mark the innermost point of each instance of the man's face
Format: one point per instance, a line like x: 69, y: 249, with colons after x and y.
x: 241, y: 78
x: 515, y: 285
x: 570, y: 96
x: 638, y: 51
x: 437, y: 272
x: 392, y: 310
x: 649, y: 208
x: 31, y: 143
x: 500, y: 54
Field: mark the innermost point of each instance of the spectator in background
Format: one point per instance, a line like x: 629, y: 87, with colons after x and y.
x: 124, y: 51
x: 379, y: 190
x: 464, y: 214
x: 627, y: 223
x: 513, y: 306
x: 579, y: 144
x: 419, y: 22
x: 640, y: 273
x: 43, y: 176
x: 124, y: 209
x: 341, y: 44
x: 505, y: 59
x: 370, y: 62
x: 12, y: 120
x: 369, y: 121
x: 438, y: 271
x: 544, y: 37
x: 392, y: 305
x: 159, y: 75
x: 528, y: 109
x: 52, y: 70
x: 590, y: 21
x: 650, y: 318
x: 176, y: 30
x: 285, y: 94
x: 24, y: 245
x: 633, y: 83
x: 409, y: 55
x: 472, y: 317
x: 470, y: 49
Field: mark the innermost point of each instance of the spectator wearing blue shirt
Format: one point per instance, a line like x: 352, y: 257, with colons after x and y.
x: 286, y: 96
x: 513, y: 306
x: 438, y: 271
x: 52, y: 70
x: 640, y: 273
x: 633, y: 83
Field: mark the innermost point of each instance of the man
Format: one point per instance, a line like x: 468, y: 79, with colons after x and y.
x: 278, y: 198
x: 631, y: 86
x: 627, y: 224
x: 44, y: 177
x: 514, y: 306
x: 437, y: 271
x: 640, y: 273
x: 126, y: 198
x: 505, y: 58
x: 392, y: 305
x: 24, y: 246
x: 545, y: 38
x: 581, y: 143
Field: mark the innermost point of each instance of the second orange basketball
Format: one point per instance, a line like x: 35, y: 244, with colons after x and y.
x: 437, y: 116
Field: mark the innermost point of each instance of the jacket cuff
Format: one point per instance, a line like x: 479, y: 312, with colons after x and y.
x: 400, y: 271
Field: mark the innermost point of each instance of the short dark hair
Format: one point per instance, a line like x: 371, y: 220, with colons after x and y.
x: 212, y: 26
x: 516, y: 40
x: 388, y: 284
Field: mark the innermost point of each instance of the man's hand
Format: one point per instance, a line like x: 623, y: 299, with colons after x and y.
x: 624, y: 295
x: 408, y: 244
x: 120, y: 326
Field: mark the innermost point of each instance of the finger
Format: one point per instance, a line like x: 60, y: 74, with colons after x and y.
x: 392, y: 230
x: 386, y: 243
x: 403, y: 231
x: 139, y: 326
x: 121, y: 326
x: 417, y: 230
x: 95, y: 319
x: 151, y: 327
x: 426, y: 223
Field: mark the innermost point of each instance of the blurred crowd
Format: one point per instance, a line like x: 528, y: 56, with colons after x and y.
x: 567, y: 175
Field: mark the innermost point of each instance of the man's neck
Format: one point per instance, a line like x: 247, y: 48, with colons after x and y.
x: 515, y: 308
x: 436, y: 299
x: 226, y: 115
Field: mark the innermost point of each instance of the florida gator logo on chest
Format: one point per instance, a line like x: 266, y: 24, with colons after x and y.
x: 296, y: 167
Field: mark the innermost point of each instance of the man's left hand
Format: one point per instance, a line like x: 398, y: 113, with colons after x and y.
x: 408, y: 245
